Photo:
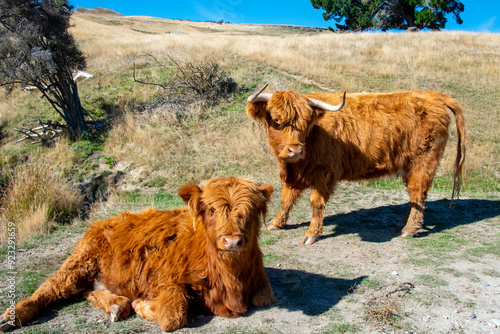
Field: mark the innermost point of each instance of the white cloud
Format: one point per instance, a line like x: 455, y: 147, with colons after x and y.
x: 488, y: 25
x: 219, y: 10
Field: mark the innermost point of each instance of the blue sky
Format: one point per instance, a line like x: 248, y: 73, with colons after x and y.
x: 479, y: 15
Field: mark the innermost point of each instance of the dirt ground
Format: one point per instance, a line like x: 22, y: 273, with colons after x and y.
x: 359, y: 277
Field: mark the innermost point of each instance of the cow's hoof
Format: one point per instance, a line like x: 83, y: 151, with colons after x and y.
x: 273, y: 227
x: 115, y: 312
x: 309, y: 240
x: 407, y: 235
x: 4, y: 325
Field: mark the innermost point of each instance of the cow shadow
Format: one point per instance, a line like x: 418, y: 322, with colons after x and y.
x: 296, y: 290
x: 380, y: 224
x: 310, y: 293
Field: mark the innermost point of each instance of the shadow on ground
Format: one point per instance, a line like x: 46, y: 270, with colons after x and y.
x: 296, y: 290
x: 310, y: 293
x: 379, y: 224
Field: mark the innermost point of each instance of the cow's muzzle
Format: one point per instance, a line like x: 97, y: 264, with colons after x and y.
x: 291, y: 153
x: 230, y: 242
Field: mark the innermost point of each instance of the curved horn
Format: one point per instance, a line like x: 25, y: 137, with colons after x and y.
x: 325, y: 106
x: 258, y: 97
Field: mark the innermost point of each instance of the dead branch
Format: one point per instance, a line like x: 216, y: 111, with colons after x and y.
x: 45, y: 133
x: 204, y: 84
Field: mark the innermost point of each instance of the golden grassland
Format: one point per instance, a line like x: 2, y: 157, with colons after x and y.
x: 463, y: 65
x: 222, y: 140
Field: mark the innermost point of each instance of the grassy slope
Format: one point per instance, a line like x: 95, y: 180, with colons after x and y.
x: 156, y: 156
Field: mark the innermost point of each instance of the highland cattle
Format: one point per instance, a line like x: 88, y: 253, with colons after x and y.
x: 320, y: 139
x: 157, y: 263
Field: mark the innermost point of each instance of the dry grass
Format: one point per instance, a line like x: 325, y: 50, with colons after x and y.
x: 383, y: 308
x: 463, y: 65
x: 191, y: 153
x: 37, y: 194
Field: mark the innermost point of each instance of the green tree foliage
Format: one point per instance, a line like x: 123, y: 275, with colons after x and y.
x: 36, y: 49
x: 360, y: 15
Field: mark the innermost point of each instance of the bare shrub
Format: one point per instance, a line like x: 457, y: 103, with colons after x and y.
x: 36, y: 196
x: 204, y: 84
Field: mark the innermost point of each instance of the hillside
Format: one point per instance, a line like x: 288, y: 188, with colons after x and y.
x: 445, y: 280
x: 152, y: 25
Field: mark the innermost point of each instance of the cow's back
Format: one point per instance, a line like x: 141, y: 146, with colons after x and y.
x: 377, y: 134
x: 141, y: 247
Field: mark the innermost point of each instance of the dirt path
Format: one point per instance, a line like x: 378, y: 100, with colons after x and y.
x: 359, y: 277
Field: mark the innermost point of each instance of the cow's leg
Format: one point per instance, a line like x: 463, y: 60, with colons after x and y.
x: 318, y: 199
x: 419, y: 181
x: 75, y: 276
x: 289, y: 196
x: 116, y: 307
x: 168, y: 309
x: 265, y: 295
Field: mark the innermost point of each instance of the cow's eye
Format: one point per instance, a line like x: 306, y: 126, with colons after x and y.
x: 212, y: 210
x: 276, y: 124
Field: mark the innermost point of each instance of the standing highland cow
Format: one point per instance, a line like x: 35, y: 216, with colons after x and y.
x: 157, y: 262
x: 322, y: 138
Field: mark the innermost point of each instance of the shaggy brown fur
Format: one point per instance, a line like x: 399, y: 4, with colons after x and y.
x: 372, y: 135
x: 207, y: 253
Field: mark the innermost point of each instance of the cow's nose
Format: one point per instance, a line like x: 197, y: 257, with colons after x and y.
x: 232, y: 243
x: 295, y: 152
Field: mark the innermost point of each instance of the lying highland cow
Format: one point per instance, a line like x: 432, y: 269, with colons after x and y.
x: 321, y: 139
x: 157, y: 262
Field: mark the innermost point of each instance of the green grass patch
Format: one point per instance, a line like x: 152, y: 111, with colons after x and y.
x: 438, y: 245
x: 369, y: 283
x: 90, y: 142
x: 160, y: 200
x: 486, y: 248
x: 474, y: 184
x: 385, y: 183
x: 491, y: 273
x: 267, y: 237
x: 29, y: 282
x: 423, y: 261
x: 157, y: 182
x: 431, y: 281
x: 243, y: 330
x: 454, y: 272
x: 342, y: 328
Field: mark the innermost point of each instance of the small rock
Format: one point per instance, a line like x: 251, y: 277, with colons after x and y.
x: 279, y: 265
x: 457, y: 311
x: 472, y: 315
x: 496, y: 322
x: 427, y: 318
x: 394, y: 273
x: 486, y: 284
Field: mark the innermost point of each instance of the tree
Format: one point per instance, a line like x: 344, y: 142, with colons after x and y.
x: 364, y: 15
x: 36, y: 49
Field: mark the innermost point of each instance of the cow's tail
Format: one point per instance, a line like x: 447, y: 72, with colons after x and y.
x: 456, y: 109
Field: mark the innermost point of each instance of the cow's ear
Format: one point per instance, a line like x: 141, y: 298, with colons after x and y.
x: 191, y: 195
x: 267, y: 190
x: 258, y: 111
